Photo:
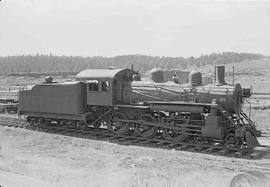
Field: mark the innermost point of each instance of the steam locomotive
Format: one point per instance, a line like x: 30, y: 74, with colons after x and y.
x: 118, y: 100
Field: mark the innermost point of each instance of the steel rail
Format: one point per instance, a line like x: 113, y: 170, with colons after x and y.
x: 215, y: 148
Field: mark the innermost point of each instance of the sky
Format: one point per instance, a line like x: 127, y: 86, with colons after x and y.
x: 122, y: 27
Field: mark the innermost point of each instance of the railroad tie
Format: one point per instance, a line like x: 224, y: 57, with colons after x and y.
x: 183, y: 147
x: 199, y: 148
x: 223, y: 151
x: 256, y: 155
x: 127, y: 141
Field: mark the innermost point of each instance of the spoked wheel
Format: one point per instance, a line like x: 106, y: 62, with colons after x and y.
x: 62, y: 122
x: 31, y: 120
x: 100, y: 123
x: 144, y: 130
x: 115, y: 124
x: 97, y: 125
x: 232, y: 141
x: 81, y: 124
x: 174, y: 135
x: 74, y: 124
x: 44, y: 121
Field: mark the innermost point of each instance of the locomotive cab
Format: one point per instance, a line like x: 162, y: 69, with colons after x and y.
x: 99, y: 92
x: 105, y: 86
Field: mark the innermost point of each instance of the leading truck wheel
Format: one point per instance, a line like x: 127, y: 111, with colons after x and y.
x: 144, y: 130
x: 116, y: 125
x: 174, y: 135
x: 232, y: 141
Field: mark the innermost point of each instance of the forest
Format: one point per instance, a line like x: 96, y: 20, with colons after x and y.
x: 42, y: 64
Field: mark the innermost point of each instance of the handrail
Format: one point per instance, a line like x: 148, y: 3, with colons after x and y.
x: 152, y: 97
x: 249, y: 107
x: 221, y: 109
x: 180, y: 94
x: 157, y: 86
x: 240, y: 110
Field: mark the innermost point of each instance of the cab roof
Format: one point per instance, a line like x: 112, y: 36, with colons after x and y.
x: 99, y: 73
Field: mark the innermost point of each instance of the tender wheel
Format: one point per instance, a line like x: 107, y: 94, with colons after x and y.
x: 31, y: 120
x: 199, y: 139
x: 146, y: 131
x: 44, y: 121
x: 62, y: 122
x: 232, y: 141
x: 115, y: 124
x: 174, y: 135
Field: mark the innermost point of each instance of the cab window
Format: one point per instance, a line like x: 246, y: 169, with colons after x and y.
x: 105, y: 87
x: 93, y: 86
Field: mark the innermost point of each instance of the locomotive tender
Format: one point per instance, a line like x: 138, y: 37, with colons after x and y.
x: 118, y: 100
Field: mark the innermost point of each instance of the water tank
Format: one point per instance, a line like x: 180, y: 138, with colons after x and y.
x: 195, y: 78
x: 157, y: 75
x: 220, y: 75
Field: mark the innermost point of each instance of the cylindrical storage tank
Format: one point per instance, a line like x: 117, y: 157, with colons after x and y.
x: 220, y: 75
x: 195, y: 78
x: 157, y: 75
x: 48, y: 79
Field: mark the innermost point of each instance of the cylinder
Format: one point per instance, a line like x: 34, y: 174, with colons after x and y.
x: 220, y: 75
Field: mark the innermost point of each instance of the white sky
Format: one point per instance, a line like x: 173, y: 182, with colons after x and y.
x: 119, y: 27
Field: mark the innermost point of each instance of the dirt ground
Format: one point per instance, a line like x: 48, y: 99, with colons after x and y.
x: 37, y: 159
x: 29, y: 158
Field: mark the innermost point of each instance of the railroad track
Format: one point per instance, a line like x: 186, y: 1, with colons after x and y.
x: 157, y: 142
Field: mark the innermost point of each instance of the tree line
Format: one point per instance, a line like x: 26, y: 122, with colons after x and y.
x: 72, y: 64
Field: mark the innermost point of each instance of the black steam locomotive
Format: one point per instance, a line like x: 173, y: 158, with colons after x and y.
x: 117, y: 99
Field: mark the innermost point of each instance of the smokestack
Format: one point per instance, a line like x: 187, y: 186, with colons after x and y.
x: 220, y: 75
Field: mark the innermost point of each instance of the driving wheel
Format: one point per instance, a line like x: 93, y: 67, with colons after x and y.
x: 116, y: 123
x: 145, y: 130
